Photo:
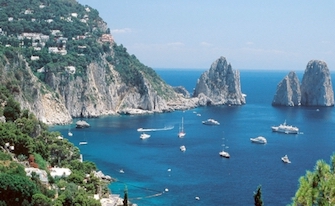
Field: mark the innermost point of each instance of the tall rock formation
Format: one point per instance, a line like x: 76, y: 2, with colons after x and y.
x: 316, y: 85
x: 220, y: 85
x: 288, y: 91
x: 315, y: 90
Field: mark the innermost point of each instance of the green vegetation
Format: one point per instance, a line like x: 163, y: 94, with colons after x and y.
x: 24, y: 136
x: 132, y: 71
x: 79, y: 29
x: 258, y: 196
x: 317, y: 187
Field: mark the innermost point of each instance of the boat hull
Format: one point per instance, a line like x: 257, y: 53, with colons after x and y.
x: 286, y: 131
x: 224, y: 154
x: 257, y: 141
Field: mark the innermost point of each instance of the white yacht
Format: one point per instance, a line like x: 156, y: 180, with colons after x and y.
x: 144, y: 136
x: 285, y: 159
x: 182, y: 148
x: 224, y: 154
x: 284, y: 128
x: 259, y: 140
x: 210, y: 122
x: 83, y: 143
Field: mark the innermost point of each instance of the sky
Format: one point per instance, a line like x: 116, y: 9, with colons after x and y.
x: 252, y: 34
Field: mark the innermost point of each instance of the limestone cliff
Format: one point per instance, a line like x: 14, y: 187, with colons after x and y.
x: 315, y: 90
x: 67, y: 96
x: 288, y: 91
x: 31, y: 93
x: 316, y: 85
x: 220, y: 85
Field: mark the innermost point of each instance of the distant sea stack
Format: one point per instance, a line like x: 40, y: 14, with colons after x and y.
x: 315, y: 90
x: 316, y: 85
x: 288, y: 91
x: 220, y: 85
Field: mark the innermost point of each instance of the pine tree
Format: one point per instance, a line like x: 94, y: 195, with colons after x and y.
x: 258, y: 196
x: 125, y: 199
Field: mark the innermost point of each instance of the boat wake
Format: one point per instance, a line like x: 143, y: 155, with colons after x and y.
x: 155, y: 129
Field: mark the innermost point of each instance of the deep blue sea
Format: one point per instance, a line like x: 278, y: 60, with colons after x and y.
x: 153, y: 165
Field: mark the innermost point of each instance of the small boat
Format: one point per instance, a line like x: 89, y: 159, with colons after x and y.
x: 70, y: 134
x: 210, y: 122
x: 181, y: 133
x: 121, y: 171
x: 224, y: 154
x: 83, y: 143
x: 259, y: 140
x: 284, y: 128
x: 145, y: 136
x: 285, y: 159
x: 182, y: 148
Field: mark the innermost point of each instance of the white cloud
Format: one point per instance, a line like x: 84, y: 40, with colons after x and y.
x: 205, y: 44
x: 175, y: 44
x: 118, y: 31
x: 249, y: 43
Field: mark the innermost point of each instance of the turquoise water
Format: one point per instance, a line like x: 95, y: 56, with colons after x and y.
x: 114, y: 144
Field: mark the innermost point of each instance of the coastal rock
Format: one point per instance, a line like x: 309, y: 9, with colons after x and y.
x: 82, y: 124
x: 221, y: 85
x: 316, y: 85
x: 288, y: 91
x: 182, y: 90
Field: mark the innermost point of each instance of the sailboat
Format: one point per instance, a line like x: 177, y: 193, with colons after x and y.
x: 181, y: 133
x: 70, y: 133
x: 224, y: 153
x: 83, y: 142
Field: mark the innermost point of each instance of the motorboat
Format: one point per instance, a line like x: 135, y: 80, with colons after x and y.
x: 121, y: 171
x: 224, y: 154
x: 284, y: 128
x: 210, y: 122
x: 145, y: 136
x: 70, y: 134
x: 182, y: 148
x: 285, y: 159
x: 181, y: 133
x: 83, y: 143
x: 259, y: 140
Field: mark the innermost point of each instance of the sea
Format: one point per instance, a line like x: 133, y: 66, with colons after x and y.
x: 155, y: 172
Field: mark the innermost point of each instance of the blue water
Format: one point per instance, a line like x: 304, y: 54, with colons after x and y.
x: 114, y: 144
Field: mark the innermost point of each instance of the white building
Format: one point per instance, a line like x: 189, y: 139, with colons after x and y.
x: 60, y: 172
x: 41, y: 173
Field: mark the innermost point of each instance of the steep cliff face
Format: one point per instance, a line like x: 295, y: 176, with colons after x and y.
x: 95, y: 97
x: 68, y: 96
x: 288, y: 91
x: 316, y: 85
x: 32, y: 94
x: 220, y: 85
x: 315, y: 90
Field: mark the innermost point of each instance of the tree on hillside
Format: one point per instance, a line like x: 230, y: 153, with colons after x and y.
x: 125, y: 198
x: 258, y: 196
x: 317, y: 187
x: 12, y: 110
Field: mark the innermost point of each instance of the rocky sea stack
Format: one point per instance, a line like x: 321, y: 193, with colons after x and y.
x: 316, y: 85
x: 315, y: 90
x: 288, y: 91
x: 220, y: 85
